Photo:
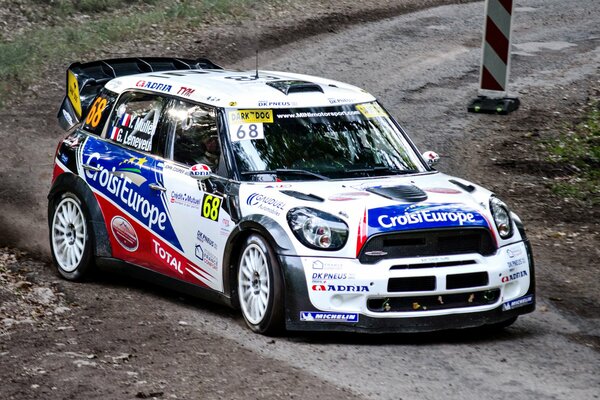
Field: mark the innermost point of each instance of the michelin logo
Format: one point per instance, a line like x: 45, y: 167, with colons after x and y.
x: 520, y: 302
x: 311, y: 316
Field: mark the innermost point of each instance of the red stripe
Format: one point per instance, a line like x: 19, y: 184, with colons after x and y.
x: 497, y: 40
x: 488, y: 82
x: 507, y: 4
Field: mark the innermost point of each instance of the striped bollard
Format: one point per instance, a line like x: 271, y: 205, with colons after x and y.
x: 495, y: 61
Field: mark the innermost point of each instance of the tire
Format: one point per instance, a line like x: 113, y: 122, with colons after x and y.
x: 260, y: 286
x: 71, y: 238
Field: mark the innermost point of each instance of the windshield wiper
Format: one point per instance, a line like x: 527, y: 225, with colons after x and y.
x: 282, y: 171
x: 382, y: 170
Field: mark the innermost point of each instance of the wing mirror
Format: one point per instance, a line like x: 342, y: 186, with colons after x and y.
x: 431, y: 158
x: 201, y: 172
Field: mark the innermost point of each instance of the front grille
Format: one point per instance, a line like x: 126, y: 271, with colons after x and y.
x: 423, y: 243
x: 461, y: 281
x: 435, y: 302
x: 411, y: 284
x: 440, y: 264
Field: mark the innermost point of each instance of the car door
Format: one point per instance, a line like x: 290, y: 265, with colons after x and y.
x: 123, y: 168
x: 195, y: 208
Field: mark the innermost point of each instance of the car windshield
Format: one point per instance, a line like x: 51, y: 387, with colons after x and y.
x: 341, y: 142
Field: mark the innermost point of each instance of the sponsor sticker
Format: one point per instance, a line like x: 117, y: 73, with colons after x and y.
x: 514, y: 277
x: 185, y: 91
x: 184, y: 199
x: 206, y: 257
x: 312, y: 316
x: 265, y: 203
x: 124, y: 233
x: 163, y: 87
x: 371, y: 110
x: 413, y: 216
x: 516, y: 263
x: 73, y: 92
x: 169, y: 259
x: 250, y: 116
x: 516, y: 303
x: 340, y: 288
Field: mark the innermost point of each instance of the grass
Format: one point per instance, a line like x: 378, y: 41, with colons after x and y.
x: 22, y: 60
x: 579, y: 150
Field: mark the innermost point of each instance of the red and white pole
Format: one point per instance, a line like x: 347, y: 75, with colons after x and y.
x: 495, y: 61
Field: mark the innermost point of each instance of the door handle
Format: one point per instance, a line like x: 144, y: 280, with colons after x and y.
x: 156, y: 186
x: 91, y: 168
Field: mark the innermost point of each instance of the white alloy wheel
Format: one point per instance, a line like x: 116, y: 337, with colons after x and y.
x: 69, y: 234
x: 254, y: 283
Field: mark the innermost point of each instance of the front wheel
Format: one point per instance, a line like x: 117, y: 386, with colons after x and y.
x: 70, y: 238
x: 260, y: 286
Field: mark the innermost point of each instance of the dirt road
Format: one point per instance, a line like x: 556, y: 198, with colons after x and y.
x: 117, y: 338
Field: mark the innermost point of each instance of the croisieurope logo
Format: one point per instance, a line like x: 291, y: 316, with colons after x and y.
x: 404, y: 217
x: 123, y: 184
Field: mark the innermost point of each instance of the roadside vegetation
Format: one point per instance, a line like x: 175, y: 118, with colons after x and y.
x: 60, y: 30
x: 578, y: 151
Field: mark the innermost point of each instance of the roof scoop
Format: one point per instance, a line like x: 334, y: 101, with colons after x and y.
x: 287, y: 87
x: 409, y: 193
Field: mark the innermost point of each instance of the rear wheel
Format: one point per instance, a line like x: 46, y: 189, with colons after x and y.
x: 70, y: 238
x: 260, y: 286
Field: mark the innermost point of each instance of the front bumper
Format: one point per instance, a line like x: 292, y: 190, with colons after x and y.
x: 409, y: 295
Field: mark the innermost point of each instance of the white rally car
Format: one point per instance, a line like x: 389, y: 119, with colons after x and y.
x: 297, y: 199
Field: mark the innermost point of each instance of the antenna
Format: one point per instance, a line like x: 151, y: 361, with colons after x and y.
x: 256, y: 76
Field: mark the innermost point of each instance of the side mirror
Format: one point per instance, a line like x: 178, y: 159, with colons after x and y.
x: 431, y: 158
x: 201, y: 172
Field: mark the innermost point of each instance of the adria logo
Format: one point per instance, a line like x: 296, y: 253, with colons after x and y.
x: 340, y: 288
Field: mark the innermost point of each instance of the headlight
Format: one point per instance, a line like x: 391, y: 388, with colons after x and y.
x: 501, y: 215
x: 316, y: 229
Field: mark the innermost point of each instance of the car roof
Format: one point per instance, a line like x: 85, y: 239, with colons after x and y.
x: 241, y: 89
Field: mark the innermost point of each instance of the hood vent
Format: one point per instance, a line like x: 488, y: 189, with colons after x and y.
x: 287, y: 87
x: 302, y: 196
x: 409, y: 193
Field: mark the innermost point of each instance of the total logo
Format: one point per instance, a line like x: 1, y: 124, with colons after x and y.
x: 513, y: 277
x: 166, y: 256
x: 340, y: 288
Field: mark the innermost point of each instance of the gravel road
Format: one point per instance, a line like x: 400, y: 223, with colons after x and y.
x: 122, y: 339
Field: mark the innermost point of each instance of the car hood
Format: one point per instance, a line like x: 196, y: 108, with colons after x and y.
x: 386, y: 204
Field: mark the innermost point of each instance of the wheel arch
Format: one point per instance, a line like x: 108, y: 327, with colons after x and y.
x: 268, y: 228
x: 69, y: 182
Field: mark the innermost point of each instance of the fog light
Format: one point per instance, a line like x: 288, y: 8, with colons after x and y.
x: 489, y: 295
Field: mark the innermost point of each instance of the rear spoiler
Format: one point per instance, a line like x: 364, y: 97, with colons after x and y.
x: 85, y: 80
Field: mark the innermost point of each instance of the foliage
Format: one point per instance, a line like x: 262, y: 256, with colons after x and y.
x: 579, y: 150
x: 24, y: 58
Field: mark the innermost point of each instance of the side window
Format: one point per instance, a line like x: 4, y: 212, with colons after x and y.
x: 135, y: 121
x: 194, y: 131
x: 98, y: 112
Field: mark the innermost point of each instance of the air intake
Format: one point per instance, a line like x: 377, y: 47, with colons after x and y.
x: 287, y: 87
x: 409, y: 193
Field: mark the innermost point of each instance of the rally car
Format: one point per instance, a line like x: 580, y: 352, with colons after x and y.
x: 297, y: 199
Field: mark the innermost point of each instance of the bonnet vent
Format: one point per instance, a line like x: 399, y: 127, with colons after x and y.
x: 409, y: 193
x: 287, y: 87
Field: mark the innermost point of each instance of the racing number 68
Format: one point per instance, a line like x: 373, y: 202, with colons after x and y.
x: 210, y: 207
x: 252, y: 133
x: 95, y: 114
